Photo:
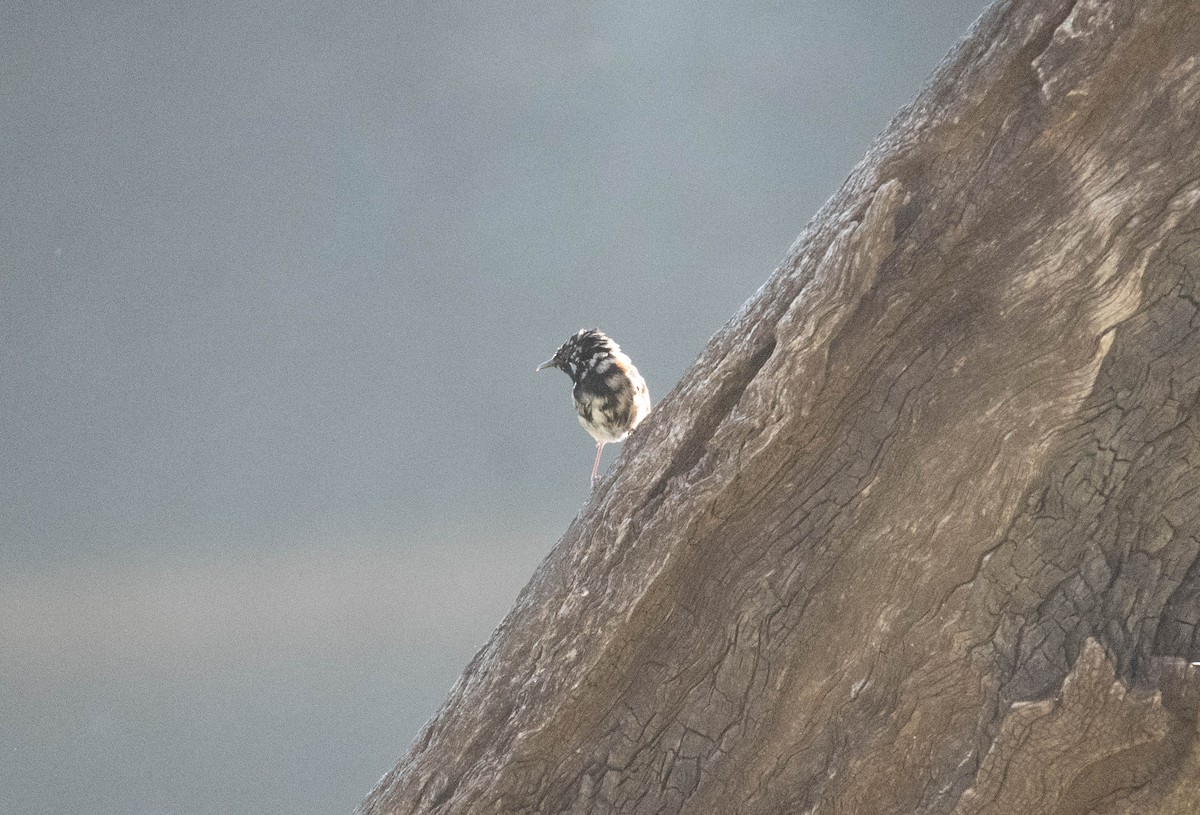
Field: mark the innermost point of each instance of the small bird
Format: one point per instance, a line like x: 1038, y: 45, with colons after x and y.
x: 610, y: 395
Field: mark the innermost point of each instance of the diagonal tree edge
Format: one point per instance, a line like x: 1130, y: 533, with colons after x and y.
x: 951, y: 441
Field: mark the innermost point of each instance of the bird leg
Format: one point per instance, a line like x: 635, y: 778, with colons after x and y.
x: 596, y: 466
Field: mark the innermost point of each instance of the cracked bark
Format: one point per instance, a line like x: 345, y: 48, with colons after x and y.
x: 920, y: 530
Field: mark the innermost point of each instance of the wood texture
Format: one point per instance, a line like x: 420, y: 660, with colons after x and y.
x: 920, y: 530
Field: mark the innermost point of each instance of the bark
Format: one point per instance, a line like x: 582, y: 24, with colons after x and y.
x: 920, y: 530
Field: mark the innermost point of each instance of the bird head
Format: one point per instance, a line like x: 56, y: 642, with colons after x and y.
x: 573, y: 354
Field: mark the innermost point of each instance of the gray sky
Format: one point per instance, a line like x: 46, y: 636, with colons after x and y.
x: 273, y: 460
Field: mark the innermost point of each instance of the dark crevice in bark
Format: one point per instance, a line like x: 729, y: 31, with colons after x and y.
x: 693, y: 447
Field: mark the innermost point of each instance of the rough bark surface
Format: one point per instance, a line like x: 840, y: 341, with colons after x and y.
x: 920, y: 530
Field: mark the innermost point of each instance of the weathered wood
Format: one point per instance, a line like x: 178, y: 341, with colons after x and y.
x: 853, y: 561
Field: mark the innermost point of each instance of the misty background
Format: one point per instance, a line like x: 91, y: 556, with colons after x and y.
x: 274, y: 280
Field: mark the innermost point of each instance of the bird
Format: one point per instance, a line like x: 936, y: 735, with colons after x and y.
x: 611, y: 398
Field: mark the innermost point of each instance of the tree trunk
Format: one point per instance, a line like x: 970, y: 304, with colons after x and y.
x: 920, y: 530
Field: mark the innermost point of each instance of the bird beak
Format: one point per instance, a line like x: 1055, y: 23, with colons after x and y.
x: 547, y: 364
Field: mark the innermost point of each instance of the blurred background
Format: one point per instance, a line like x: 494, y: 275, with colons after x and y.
x: 274, y: 280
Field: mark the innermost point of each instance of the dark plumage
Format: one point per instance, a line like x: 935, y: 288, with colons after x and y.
x: 611, y: 398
